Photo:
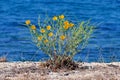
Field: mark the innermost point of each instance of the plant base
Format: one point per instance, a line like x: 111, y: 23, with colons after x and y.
x: 61, y: 62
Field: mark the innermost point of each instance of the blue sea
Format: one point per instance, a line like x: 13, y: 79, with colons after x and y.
x: 16, y: 43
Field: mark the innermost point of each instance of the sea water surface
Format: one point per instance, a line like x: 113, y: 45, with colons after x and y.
x: 15, y: 40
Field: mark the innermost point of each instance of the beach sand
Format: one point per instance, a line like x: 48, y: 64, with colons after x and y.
x: 35, y: 71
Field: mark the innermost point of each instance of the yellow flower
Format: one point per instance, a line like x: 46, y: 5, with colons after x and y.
x: 48, y: 27
x: 50, y: 34
x: 46, y: 40
x: 40, y: 38
x: 61, y: 17
x: 27, y: 22
x: 33, y: 27
x: 71, y: 25
x: 62, y: 37
x: 66, y: 22
x: 42, y: 30
x: 55, y: 18
x: 65, y: 27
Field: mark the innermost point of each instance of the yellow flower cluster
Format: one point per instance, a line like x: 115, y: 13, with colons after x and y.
x: 42, y: 30
x: 48, y: 27
x: 59, y: 17
x: 67, y: 25
x: 33, y: 27
x: 71, y: 25
x: 27, y: 22
x: 55, y: 18
x: 62, y: 37
x: 46, y: 40
x: 50, y: 34
x: 40, y: 38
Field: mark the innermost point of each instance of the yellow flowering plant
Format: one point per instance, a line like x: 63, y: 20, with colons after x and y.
x: 61, y: 37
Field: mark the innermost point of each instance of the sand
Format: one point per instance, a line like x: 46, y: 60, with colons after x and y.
x: 35, y: 71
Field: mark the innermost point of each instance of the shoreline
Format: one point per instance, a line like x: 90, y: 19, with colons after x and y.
x: 35, y: 71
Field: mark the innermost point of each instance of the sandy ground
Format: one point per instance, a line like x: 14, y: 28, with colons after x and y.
x: 35, y: 71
